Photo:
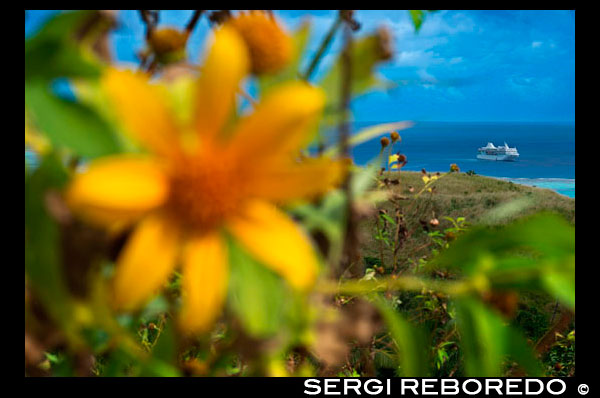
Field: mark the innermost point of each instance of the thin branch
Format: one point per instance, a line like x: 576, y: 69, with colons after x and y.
x: 247, y: 96
x: 193, y: 21
x: 322, y: 48
x: 351, y: 241
x: 395, y: 283
x: 150, y: 18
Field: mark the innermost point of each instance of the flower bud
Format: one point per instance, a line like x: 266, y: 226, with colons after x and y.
x: 270, y: 46
x: 166, y: 41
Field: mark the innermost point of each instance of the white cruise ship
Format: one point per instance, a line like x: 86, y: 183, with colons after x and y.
x: 491, y: 152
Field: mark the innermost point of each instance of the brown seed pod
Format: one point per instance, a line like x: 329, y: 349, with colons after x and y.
x: 395, y: 136
x: 167, y: 40
x: 384, y: 142
x: 218, y: 17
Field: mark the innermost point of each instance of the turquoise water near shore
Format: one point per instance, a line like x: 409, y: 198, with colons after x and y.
x: 563, y: 186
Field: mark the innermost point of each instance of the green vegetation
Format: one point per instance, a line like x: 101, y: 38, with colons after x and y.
x: 456, y: 195
x: 427, y: 223
x: 404, y: 273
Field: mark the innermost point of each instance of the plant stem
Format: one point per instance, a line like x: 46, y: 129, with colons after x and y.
x: 351, y: 243
x: 193, y: 21
x: 150, y: 18
x: 322, y: 48
x: 411, y: 283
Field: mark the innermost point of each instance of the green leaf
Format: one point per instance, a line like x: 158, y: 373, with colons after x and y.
x: 487, y: 342
x: 417, y: 17
x: 506, y: 210
x: 327, y: 216
x: 369, y: 133
x: 409, y: 340
x: 165, y: 348
x: 53, y: 59
x: 388, y: 219
x: 69, y: 124
x: 536, y: 253
x: 54, y: 52
x: 482, y: 338
x: 156, y: 368
x: 43, y: 261
x: 363, y: 179
x: 522, y: 353
x: 62, y: 25
x: 542, y: 237
x: 118, y: 363
x: 561, y: 285
x: 256, y: 294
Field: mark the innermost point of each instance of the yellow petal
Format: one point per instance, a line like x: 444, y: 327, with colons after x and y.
x: 274, y: 239
x: 279, y: 124
x: 204, y: 284
x: 146, y: 261
x: 226, y: 64
x: 143, y: 110
x: 303, y: 180
x: 117, y: 188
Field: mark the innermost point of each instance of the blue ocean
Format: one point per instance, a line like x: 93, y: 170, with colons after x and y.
x: 547, y: 151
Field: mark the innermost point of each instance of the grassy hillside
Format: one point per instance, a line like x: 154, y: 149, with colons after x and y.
x: 418, y: 220
x: 455, y: 195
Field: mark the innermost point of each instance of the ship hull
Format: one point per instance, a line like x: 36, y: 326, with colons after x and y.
x: 503, y: 158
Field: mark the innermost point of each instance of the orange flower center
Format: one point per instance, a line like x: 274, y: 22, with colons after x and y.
x: 205, y: 191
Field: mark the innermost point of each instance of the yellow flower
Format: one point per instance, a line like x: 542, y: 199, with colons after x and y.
x: 187, y: 197
x: 427, y: 179
x: 269, y: 44
x: 393, y: 161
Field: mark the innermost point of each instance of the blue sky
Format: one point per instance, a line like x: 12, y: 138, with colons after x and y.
x: 462, y: 66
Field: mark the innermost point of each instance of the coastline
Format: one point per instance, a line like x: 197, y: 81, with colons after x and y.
x: 562, y: 186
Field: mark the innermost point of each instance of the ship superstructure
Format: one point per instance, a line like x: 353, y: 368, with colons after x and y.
x: 503, y: 153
